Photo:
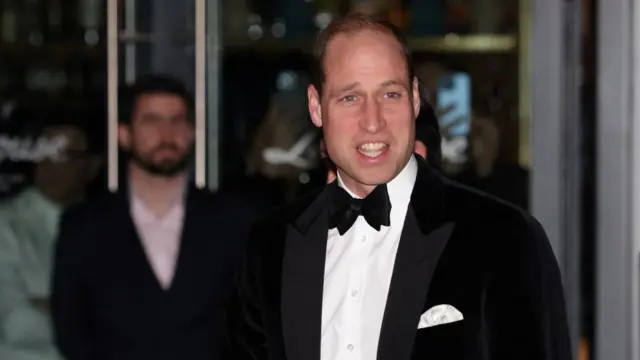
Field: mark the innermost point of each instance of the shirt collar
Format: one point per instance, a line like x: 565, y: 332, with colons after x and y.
x: 145, y: 216
x: 399, y: 188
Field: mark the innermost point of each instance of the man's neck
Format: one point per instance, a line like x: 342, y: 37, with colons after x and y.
x: 156, y: 192
x: 359, y: 190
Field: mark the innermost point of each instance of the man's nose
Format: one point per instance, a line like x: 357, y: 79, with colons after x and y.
x: 167, y: 130
x: 373, y: 121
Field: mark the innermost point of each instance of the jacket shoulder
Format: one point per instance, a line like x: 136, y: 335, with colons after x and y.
x: 462, y: 201
x: 288, y: 213
x: 501, y: 226
x: 271, y: 227
x: 90, y: 210
x: 80, y: 228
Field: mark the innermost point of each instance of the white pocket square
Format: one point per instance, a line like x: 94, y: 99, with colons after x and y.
x: 439, y: 315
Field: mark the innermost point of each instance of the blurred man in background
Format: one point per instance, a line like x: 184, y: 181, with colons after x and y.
x: 28, y: 228
x: 283, y: 158
x: 143, y: 274
x: 487, y: 172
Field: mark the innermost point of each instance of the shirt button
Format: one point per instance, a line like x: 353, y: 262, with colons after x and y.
x: 354, y: 292
x: 350, y: 347
x: 363, y: 238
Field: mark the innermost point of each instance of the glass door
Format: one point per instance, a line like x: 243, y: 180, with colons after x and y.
x: 52, y: 74
x: 157, y: 37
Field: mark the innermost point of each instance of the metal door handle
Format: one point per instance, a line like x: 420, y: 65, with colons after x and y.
x: 112, y: 93
x: 200, y: 94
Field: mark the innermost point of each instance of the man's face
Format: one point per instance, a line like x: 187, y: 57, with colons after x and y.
x: 65, y: 178
x: 367, y: 109
x: 160, y: 137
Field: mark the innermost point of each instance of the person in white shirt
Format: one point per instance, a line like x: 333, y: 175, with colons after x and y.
x: 391, y: 261
x: 28, y: 229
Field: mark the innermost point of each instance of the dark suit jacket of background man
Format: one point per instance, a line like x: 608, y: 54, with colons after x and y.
x: 490, y: 260
x: 107, y: 302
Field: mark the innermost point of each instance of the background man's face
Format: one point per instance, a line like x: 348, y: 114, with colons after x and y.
x: 160, y: 137
x: 368, y: 109
x: 64, y: 180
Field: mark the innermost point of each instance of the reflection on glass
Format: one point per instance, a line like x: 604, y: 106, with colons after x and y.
x: 90, y: 19
x: 32, y: 22
x: 9, y: 22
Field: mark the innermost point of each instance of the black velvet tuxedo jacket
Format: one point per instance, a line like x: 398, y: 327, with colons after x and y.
x: 107, y: 302
x: 488, y: 259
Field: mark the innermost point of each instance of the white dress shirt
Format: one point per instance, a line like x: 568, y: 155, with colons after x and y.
x: 160, y: 237
x: 357, y: 276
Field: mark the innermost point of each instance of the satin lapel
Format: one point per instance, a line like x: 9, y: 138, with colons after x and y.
x: 424, y: 236
x: 303, y: 281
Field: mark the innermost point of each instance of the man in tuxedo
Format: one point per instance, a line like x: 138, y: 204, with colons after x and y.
x: 391, y: 261
x: 144, y: 273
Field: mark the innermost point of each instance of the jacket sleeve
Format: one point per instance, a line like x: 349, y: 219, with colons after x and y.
x: 244, y: 319
x: 525, y: 303
x: 70, y: 298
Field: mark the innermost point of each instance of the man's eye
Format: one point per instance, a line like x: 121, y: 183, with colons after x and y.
x: 348, y: 98
x: 392, y: 95
x: 151, y: 119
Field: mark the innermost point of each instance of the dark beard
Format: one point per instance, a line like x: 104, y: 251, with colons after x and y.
x: 167, y: 169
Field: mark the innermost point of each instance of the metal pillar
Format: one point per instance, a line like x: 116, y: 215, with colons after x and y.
x: 555, y: 139
x: 618, y: 181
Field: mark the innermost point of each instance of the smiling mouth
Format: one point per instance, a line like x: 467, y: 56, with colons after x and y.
x: 372, y: 150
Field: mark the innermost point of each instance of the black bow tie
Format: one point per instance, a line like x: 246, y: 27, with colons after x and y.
x: 345, y: 209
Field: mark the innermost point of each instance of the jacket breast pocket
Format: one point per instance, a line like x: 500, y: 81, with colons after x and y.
x: 446, y: 341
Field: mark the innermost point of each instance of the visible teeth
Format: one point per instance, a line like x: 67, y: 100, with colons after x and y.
x: 372, y: 150
x: 372, y: 146
x: 371, y: 154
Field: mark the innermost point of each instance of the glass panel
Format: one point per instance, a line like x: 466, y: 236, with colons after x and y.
x: 52, y: 82
x: 156, y: 37
x: 466, y: 52
x: 162, y: 37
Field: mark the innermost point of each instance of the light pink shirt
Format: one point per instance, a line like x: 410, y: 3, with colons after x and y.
x: 160, y: 237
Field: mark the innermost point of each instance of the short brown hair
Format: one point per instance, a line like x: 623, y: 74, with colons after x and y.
x: 153, y: 84
x: 354, y: 22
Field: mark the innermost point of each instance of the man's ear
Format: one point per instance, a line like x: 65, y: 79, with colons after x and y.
x: 416, y: 97
x: 421, y: 149
x: 124, y: 136
x: 315, y: 108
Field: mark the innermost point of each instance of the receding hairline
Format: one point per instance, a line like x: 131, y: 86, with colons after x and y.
x: 351, y: 30
x: 351, y: 25
x: 361, y: 31
x: 406, y: 82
